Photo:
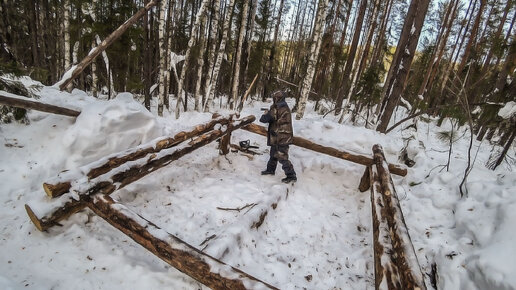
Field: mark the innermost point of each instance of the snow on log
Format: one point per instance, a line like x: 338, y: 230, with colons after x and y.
x: 46, y: 213
x: 76, y: 70
x: 307, y: 144
x: 187, y: 259
x: 396, y: 264
x: 63, y: 182
x: 22, y: 102
x: 252, y: 217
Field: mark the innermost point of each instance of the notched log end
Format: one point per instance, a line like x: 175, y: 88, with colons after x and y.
x: 34, y: 218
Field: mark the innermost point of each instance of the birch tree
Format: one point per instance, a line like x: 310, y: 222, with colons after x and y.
x: 211, y: 52
x: 314, y: 54
x: 200, y: 64
x: 236, y: 74
x: 66, y: 31
x: 191, y: 42
x: 163, y: 58
x: 222, y: 48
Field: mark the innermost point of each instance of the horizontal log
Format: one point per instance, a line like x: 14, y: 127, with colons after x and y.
x: 396, y: 264
x: 62, y: 183
x: 21, y: 102
x: 54, y: 210
x: 307, y: 144
x: 187, y: 259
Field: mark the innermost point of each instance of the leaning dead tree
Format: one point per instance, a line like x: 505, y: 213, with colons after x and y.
x: 396, y: 264
x: 75, y: 71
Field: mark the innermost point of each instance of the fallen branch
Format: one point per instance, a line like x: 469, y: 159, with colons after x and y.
x: 238, y: 208
x: 46, y: 214
x: 307, y: 144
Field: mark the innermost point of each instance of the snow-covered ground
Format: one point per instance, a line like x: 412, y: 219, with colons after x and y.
x: 318, y: 237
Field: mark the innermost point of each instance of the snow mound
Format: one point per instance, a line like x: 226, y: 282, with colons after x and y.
x: 107, y: 127
x: 508, y: 111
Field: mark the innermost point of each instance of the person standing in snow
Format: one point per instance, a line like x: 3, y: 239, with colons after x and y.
x: 279, y: 136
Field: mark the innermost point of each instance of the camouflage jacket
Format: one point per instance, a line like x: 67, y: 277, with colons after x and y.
x: 280, y: 130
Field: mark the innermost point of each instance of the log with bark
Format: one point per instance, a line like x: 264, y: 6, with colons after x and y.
x: 396, y: 264
x: 47, y: 213
x: 307, y: 144
x: 62, y: 183
x: 75, y: 71
x: 252, y: 217
x: 177, y: 253
x: 22, y: 102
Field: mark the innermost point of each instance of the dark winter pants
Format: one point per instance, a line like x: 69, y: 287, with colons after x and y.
x: 280, y: 153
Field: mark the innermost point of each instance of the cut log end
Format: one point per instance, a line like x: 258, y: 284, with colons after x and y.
x: 55, y: 190
x: 34, y: 218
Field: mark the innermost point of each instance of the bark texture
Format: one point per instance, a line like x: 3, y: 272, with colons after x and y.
x: 177, y: 253
x: 396, y: 264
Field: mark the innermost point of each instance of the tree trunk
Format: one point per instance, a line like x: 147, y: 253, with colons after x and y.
x: 147, y: 60
x: 172, y: 250
x: 314, y: 55
x: 270, y: 74
x: 66, y: 30
x: 45, y: 214
x: 200, y: 64
x: 506, y: 148
x: 472, y: 36
x: 405, y: 53
x: 193, y: 33
x: 162, y: 55
x: 222, y: 49
x: 351, y: 58
x: 498, y: 33
x: 213, y: 39
x: 236, y: 72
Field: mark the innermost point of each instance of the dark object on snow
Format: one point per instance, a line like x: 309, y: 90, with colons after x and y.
x: 246, y: 145
x: 289, y: 179
x: 267, y: 172
x: 279, y: 134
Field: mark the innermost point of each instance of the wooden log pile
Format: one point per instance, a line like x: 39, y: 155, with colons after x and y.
x: 94, y: 189
x: 396, y: 264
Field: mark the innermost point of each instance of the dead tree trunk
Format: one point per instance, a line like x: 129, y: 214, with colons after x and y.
x: 62, y: 183
x: 182, y: 256
x: 396, y: 264
x: 21, y: 102
x: 45, y: 214
x: 307, y: 144
x: 69, y: 76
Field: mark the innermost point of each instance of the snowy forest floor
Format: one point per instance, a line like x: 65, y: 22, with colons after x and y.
x: 318, y: 237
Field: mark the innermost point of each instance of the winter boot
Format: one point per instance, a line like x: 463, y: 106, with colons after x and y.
x: 288, y: 179
x: 267, y: 172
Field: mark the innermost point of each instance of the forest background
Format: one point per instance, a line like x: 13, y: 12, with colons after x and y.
x: 360, y: 58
